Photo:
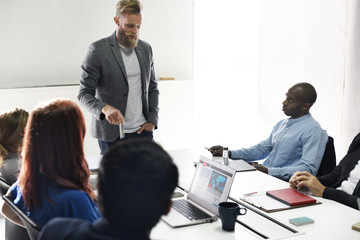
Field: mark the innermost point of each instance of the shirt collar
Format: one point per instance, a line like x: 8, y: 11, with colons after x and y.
x: 291, y: 121
x: 125, y: 50
x: 12, y: 155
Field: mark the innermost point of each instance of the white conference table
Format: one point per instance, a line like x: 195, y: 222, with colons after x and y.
x: 332, y: 220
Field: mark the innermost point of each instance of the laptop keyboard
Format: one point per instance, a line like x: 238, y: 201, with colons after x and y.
x: 189, y: 210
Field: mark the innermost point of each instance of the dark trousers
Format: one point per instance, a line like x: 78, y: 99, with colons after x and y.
x: 104, y: 146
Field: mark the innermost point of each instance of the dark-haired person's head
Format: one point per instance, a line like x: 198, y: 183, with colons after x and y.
x: 53, y: 150
x: 136, y: 181
x: 12, y: 125
x: 299, y: 100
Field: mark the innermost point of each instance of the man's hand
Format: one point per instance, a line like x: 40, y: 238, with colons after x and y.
x: 293, y: 182
x: 148, y: 126
x: 216, y: 150
x: 260, y: 167
x: 113, y: 115
x: 305, y: 179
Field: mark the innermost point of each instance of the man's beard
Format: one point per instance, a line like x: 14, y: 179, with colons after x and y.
x: 126, y: 40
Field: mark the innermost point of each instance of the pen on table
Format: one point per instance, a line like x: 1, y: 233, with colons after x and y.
x: 253, y: 203
x: 249, y: 194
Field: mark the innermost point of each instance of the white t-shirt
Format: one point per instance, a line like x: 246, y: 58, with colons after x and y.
x: 349, y: 184
x: 134, y: 116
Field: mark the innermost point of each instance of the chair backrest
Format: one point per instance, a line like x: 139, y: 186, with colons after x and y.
x: 328, y: 161
x: 4, y: 186
x: 14, y: 231
x: 32, y: 228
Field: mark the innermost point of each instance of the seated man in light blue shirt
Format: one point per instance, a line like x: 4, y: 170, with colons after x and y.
x: 295, y: 144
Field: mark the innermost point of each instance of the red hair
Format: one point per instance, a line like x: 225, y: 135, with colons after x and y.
x: 53, y: 151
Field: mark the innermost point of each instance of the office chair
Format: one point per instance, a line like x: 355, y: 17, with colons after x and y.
x: 12, y: 230
x: 32, y: 228
x: 328, y: 162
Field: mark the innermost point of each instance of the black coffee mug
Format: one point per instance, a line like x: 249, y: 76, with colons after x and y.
x: 228, y: 212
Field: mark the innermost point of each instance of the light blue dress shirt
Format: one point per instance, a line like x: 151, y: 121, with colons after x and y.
x: 294, y: 145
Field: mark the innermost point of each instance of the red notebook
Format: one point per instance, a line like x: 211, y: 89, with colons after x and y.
x: 290, y: 197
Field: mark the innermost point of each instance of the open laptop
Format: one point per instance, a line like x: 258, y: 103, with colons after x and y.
x: 211, y: 185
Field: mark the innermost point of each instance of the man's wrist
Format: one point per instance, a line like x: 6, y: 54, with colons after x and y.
x: 322, y: 189
x: 105, y: 107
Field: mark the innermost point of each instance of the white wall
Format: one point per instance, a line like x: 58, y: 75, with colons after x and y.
x: 44, y: 42
x: 226, y: 73
x: 249, y: 53
x: 169, y: 27
x: 351, y: 85
x: 315, y: 42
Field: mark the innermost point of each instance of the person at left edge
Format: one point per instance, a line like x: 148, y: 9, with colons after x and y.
x: 118, y: 84
x: 12, y: 126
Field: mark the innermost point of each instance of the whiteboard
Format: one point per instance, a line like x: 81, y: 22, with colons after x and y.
x: 43, y: 42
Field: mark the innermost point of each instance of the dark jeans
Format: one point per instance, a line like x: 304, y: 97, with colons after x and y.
x: 104, y: 146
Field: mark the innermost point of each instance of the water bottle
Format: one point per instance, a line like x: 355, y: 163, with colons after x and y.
x: 225, y: 156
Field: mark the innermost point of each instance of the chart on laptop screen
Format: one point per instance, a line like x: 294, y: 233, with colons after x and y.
x: 210, y: 183
x: 217, y: 183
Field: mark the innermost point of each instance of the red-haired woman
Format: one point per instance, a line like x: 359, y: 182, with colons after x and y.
x: 54, y: 176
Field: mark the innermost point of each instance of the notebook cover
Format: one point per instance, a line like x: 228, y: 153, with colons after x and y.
x: 290, y: 197
x: 301, y: 221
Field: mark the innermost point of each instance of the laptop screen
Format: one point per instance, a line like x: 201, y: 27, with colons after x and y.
x: 211, y: 184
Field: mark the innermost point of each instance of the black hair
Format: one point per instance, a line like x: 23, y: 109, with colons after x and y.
x: 136, y: 181
x: 309, y: 93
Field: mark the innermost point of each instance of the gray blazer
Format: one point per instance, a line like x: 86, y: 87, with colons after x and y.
x: 104, y: 81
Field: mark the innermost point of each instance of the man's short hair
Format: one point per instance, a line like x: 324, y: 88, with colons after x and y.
x: 128, y: 6
x: 309, y: 92
x: 136, y: 181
